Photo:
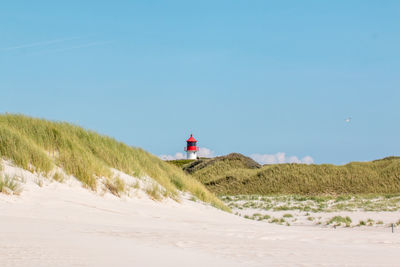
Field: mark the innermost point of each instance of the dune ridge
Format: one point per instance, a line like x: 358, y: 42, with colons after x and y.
x: 235, y: 174
x: 43, y: 146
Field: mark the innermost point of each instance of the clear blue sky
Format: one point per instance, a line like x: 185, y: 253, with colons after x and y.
x: 243, y: 76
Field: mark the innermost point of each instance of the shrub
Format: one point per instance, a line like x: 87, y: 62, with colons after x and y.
x: 266, y: 217
x: 339, y: 220
x: 274, y: 220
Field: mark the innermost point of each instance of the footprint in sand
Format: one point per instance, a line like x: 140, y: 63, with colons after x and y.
x: 185, y: 244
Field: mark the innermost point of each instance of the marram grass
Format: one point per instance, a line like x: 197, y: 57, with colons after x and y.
x: 40, y: 145
x: 229, y: 175
x: 9, y: 185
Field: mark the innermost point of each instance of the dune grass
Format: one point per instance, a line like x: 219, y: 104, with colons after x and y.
x: 116, y: 186
x: 338, y: 220
x: 180, y: 162
x: 315, y: 204
x: 59, y: 177
x: 235, y: 176
x: 39, y: 145
x: 154, y: 191
x: 9, y: 185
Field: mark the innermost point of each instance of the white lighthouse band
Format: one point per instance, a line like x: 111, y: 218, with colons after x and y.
x: 191, y: 154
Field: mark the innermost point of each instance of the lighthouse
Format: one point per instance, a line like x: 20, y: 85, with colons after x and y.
x: 191, y: 148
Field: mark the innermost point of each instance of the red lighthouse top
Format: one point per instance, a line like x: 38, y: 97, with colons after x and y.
x: 191, y: 139
x: 191, y: 144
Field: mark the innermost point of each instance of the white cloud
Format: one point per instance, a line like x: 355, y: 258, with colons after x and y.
x: 308, y: 160
x: 277, y: 158
x: 203, y: 152
x: 280, y: 157
x: 172, y: 157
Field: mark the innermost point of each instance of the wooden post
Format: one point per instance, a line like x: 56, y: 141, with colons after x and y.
x: 392, y: 227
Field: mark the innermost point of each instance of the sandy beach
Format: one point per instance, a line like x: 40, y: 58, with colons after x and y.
x: 63, y: 224
x: 199, y: 133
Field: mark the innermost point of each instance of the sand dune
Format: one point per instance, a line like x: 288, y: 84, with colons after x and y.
x: 63, y: 224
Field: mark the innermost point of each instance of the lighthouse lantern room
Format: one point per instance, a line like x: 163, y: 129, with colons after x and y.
x: 191, y: 148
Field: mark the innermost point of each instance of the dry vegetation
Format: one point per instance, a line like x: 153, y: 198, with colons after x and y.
x: 235, y: 174
x: 10, y: 185
x: 318, y: 210
x: 315, y: 204
x: 40, y: 145
x: 180, y: 162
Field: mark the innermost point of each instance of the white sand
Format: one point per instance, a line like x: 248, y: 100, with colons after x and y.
x: 67, y: 225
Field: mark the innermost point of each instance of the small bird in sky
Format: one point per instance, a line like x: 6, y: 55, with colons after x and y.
x: 348, y: 119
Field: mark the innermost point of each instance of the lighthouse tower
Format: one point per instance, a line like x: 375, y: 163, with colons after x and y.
x: 191, y: 148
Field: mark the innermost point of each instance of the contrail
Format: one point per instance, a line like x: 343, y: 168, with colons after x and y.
x: 79, y: 46
x: 37, y: 44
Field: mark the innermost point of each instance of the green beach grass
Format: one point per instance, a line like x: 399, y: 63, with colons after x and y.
x: 236, y: 174
x: 39, y: 145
